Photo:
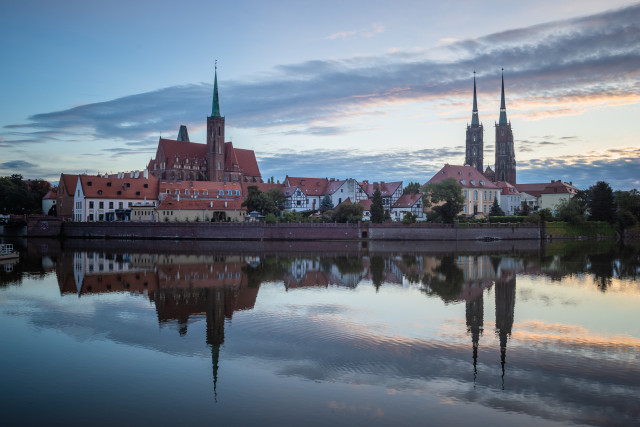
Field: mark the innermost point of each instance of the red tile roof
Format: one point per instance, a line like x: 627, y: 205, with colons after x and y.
x: 407, y: 200
x: 247, y: 161
x: 386, y: 188
x: 537, y: 189
x: 334, y: 185
x: 466, y: 176
x: 97, y: 187
x: 262, y: 186
x: 181, y: 149
x: 309, y: 186
x: 366, y: 204
x: 200, y: 204
x: 50, y: 195
x: 507, y: 188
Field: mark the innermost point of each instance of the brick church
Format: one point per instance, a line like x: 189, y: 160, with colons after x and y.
x: 505, y: 160
x: 217, y: 160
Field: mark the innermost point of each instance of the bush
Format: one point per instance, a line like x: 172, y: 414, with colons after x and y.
x: 270, y: 218
x: 506, y: 219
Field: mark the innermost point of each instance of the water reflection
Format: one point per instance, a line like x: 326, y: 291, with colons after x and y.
x: 566, y: 373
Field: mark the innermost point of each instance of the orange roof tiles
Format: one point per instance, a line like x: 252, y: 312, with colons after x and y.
x: 213, y: 188
x: 466, y: 176
x: 309, y: 186
x: 123, y: 188
x: 507, y: 188
x: 407, y: 200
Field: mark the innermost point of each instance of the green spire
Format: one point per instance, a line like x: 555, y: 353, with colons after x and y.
x: 503, y: 108
x: 215, y: 109
x: 475, y: 121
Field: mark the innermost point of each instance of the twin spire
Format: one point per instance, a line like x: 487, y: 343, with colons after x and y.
x: 215, y: 108
x: 503, y: 109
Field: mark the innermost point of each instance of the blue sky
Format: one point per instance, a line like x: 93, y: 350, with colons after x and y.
x: 362, y: 89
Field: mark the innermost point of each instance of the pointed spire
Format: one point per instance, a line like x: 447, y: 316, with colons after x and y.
x: 215, y: 108
x: 503, y: 108
x: 475, y: 121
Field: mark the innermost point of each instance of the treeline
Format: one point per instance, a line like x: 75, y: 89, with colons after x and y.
x: 18, y: 196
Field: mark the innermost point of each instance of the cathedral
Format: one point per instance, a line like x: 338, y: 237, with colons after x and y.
x: 505, y: 160
x: 217, y: 160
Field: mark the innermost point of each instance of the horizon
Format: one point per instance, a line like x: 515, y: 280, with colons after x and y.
x: 322, y: 91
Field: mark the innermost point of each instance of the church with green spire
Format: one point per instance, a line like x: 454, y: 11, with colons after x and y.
x: 216, y: 161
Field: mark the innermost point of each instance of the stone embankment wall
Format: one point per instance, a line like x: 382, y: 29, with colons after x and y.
x: 45, y: 227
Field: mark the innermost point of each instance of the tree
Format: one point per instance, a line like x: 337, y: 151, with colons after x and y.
x: 348, y: 212
x: 412, y: 187
x: 409, y: 218
x: 570, y: 210
x: 377, y: 209
x: 496, y: 210
x: 326, y: 204
x: 600, y: 202
x: 628, y: 207
x: 444, y: 197
x: 269, y: 202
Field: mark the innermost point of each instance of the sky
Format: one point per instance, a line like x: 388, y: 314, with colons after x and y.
x: 345, y: 89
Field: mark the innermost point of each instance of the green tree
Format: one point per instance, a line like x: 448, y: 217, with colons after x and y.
x: 409, y: 218
x: 269, y: 202
x: 412, y: 187
x: 348, y: 212
x: 570, y: 210
x: 600, y: 202
x: 326, y: 204
x: 377, y: 209
x: 496, y: 210
x: 444, y: 197
x: 628, y: 207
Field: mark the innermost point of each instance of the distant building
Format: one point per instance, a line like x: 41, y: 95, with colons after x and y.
x: 510, y: 198
x: 217, y: 160
x: 408, y: 203
x: 65, y: 195
x: 391, y: 192
x: 48, y: 201
x: 548, y: 195
x: 111, y: 197
x: 479, y: 193
x: 197, y: 210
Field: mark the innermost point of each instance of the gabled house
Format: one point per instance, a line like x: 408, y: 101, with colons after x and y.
x: 408, y: 203
x: 65, y: 195
x: 313, y: 189
x: 110, y: 198
x: 510, y: 198
x: 391, y: 192
x: 479, y: 193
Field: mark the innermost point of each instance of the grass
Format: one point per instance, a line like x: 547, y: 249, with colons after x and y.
x: 588, y: 229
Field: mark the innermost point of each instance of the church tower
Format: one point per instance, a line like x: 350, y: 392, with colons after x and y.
x: 505, y: 167
x: 215, y: 138
x: 475, y: 132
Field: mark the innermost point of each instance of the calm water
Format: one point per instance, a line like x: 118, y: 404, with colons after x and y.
x: 166, y: 333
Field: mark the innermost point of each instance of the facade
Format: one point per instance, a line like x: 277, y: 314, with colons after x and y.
x: 408, y: 203
x: 510, y: 198
x: 313, y: 189
x: 197, y: 210
x: 110, y: 198
x: 65, y: 195
x: 341, y: 190
x: 217, y: 160
x: 547, y: 195
x: 479, y: 193
x: 505, y: 166
x: 475, y: 135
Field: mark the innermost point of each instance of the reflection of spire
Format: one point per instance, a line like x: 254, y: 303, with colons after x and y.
x: 215, y: 329
x: 475, y: 319
x: 505, y: 306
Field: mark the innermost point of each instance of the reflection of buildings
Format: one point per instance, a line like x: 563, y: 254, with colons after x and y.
x: 182, y: 287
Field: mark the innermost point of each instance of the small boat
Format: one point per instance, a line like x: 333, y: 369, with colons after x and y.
x: 7, y: 252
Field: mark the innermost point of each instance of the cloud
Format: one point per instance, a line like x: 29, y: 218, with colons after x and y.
x: 16, y: 164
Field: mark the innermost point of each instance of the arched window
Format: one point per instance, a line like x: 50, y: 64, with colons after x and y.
x: 475, y: 194
x: 485, y: 195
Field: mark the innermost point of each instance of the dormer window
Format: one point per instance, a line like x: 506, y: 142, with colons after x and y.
x: 146, y: 186
x: 462, y: 181
x: 481, y: 182
x: 137, y: 193
x: 472, y: 182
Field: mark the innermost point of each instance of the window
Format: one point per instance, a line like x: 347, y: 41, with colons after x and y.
x: 137, y: 193
x: 108, y: 184
x: 101, y: 205
x: 186, y: 192
x: 129, y: 204
x: 221, y: 192
x: 195, y: 192
x: 485, y: 208
x: 229, y: 192
x: 177, y: 191
x: 237, y: 192
x: 90, y: 217
x: 485, y: 195
x: 90, y: 205
x: 205, y: 192
x: 475, y: 195
x: 146, y: 186
x: 465, y: 208
x: 110, y: 205
x: 120, y: 205
x: 168, y: 191
x: 99, y: 192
